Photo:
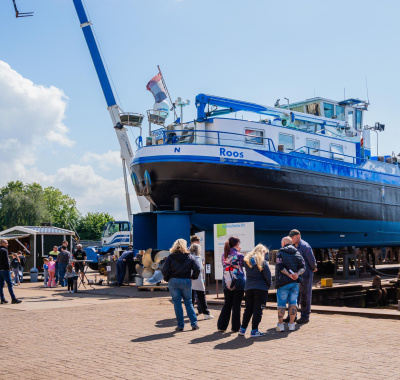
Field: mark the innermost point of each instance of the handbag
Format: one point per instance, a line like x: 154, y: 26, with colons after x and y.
x: 230, y: 278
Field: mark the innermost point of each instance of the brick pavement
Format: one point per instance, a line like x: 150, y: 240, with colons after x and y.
x: 60, y: 336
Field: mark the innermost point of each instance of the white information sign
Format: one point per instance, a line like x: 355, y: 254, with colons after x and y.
x: 222, y: 232
x: 202, y: 236
x: 208, y: 268
x: 108, y: 268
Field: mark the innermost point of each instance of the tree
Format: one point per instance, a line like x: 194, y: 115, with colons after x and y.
x: 30, y: 204
x: 21, y: 204
x: 61, y: 208
x: 90, y: 227
x: 19, y: 209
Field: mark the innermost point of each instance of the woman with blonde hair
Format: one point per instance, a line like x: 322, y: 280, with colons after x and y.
x: 258, y: 281
x: 179, y: 269
x: 198, y: 288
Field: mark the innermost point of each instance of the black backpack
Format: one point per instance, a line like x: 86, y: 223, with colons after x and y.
x: 22, y: 261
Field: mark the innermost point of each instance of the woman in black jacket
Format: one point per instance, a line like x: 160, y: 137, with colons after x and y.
x: 179, y: 269
x: 258, y: 281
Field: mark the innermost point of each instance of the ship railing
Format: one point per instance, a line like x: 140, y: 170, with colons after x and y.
x: 207, y: 137
x: 316, y: 152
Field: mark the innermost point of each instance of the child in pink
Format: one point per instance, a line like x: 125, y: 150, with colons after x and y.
x: 52, y: 273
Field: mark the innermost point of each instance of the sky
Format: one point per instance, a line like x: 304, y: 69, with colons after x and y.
x: 54, y: 123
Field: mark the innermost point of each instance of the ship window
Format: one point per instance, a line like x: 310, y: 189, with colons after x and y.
x: 340, y: 113
x: 254, y: 136
x: 287, y: 141
x: 329, y: 110
x: 313, y: 109
x: 337, y: 152
x: 358, y: 120
x: 297, y: 108
x: 313, y: 146
x: 350, y: 118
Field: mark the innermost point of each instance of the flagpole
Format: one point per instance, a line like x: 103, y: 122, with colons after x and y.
x: 166, y: 89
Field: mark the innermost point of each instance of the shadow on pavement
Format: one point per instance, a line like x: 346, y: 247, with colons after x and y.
x: 150, y: 338
x: 241, y: 342
x: 171, y: 322
x: 211, y: 338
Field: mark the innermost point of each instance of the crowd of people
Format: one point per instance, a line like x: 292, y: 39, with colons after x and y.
x: 61, y: 267
x: 244, y: 276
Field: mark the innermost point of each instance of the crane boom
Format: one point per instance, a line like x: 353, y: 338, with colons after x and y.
x: 113, y: 108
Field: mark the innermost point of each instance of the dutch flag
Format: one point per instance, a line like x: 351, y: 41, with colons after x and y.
x: 156, y: 87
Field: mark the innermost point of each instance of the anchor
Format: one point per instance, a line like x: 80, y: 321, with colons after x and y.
x: 19, y: 14
x: 143, y: 187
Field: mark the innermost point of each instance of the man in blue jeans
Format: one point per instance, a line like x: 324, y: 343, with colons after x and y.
x: 5, y: 275
x: 305, y: 288
x: 63, y: 259
x: 288, y: 270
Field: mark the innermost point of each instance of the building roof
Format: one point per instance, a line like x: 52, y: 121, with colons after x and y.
x: 38, y: 230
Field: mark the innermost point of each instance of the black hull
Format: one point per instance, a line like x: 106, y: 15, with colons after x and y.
x: 210, y: 188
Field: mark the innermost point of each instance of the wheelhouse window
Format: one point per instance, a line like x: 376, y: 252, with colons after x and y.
x: 313, y: 109
x: 298, y: 108
x: 329, y: 110
x: 350, y: 118
x: 358, y: 120
x: 340, y: 113
x: 254, y: 136
x: 313, y: 147
x: 337, y: 152
x: 287, y: 141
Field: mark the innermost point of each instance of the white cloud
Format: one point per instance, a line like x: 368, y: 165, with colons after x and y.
x: 106, y: 161
x: 31, y: 121
x: 34, y: 112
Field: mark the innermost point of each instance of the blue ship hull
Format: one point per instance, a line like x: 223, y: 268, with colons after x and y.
x: 334, y: 204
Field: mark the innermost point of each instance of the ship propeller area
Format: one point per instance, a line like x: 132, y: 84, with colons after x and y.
x: 152, y: 263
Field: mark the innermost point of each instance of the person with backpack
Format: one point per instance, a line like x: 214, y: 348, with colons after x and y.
x: 16, y: 267
x: 22, y: 262
x: 179, y: 268
x: 233, y: 283
x: 288, y: 274
x: 258, y: 281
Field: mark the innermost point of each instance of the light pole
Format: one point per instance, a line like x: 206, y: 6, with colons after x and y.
x: 378, y: 127
x: 180, y: 103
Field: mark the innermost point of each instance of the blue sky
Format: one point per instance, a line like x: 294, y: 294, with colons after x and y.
x: 56, y: 128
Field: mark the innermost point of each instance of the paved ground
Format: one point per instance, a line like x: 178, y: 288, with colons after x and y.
x: 57, y: 335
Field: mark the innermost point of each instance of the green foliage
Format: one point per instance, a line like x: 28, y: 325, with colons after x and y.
x: 30, y: 205
x: 90, y: 226
x: 22, y: 205
x: 61, y: 208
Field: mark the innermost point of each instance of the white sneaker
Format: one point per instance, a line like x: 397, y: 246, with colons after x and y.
x: 292, y: 326
x: 280, y: 328
x: 208, y: 316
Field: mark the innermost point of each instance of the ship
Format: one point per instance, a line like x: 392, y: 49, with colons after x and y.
x: 305, y: 165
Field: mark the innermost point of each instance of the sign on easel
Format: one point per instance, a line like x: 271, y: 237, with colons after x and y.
x: 222, y: 232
